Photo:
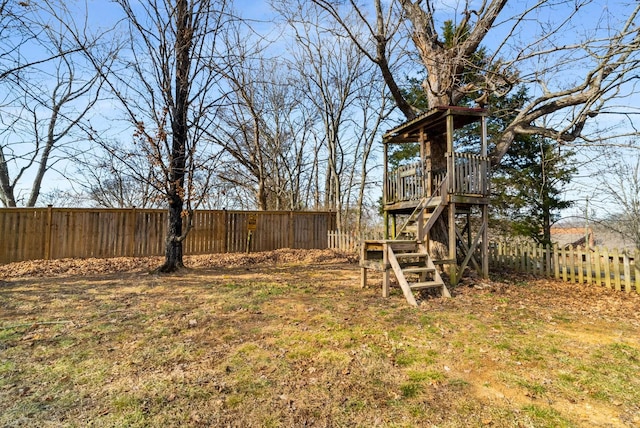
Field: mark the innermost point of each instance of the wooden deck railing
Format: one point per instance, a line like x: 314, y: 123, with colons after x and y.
x: 405, y: 183
x: 470, y: 177
x: 471, y: 174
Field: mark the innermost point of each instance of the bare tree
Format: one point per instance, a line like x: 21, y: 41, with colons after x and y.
x: 336, y: 78
x: 244, y: 121
x: 374, y: 106
x: 111, y: 177
x: 264, y: 126
x: 622, y: 193
x: 289, y: 135
x: 22, y: 25
x: 49, y: 95
x: 574, y: 70
x: 167, y: 86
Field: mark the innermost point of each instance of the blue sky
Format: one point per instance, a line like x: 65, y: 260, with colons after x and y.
x: 104, y: 12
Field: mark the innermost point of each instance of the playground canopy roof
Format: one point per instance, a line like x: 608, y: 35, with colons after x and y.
x: 432, y: 122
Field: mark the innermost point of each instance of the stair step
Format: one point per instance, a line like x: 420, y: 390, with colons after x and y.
x: 421, y: 269
x: 410, y: 255
x: 425, y: 285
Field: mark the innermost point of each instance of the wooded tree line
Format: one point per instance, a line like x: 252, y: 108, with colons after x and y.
x: 189, y: 103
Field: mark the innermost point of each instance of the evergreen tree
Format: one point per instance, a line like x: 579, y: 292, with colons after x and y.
x: 528, y: 186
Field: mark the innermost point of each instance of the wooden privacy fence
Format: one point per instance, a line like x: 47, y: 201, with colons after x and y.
x: 54, y: 233
x: 614, y: 269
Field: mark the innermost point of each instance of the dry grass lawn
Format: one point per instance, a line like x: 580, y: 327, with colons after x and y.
x: 288, y: 339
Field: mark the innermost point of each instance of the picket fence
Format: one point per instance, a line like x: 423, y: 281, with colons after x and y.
x: 344, y: 241
x: 54, y: 233
x: 619, y: 270
x: 350, y: 241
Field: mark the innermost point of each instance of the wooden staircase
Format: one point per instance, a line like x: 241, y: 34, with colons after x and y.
x: 408, y: 258
x: 415, y: 271
x: 410, y: 262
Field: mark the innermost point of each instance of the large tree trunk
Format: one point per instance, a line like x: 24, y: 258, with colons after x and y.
x: 176, y: 190
x: 173, y: 244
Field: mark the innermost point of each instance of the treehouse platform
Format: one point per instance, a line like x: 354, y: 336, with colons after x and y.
x: 435, y: 200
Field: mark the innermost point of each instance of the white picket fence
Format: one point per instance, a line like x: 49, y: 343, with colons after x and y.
x: 345, y: 241
x: 619, y: 270
x: 350, y: 241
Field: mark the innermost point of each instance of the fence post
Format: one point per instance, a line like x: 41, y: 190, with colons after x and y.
x: 580, y: 266
x: 47, y: 236
x: 132, y: 231
x: 587, y: 257
x: 616, y: 269
x: 607, y: 267
x: 597, y: 258
x: 563, y: 263
x: 225, y: 231
x: 556, y: 261
x: 515, y: 257
x: 291, y: 237
x: 636, y: 264
x: 547, y: 260
x: 627, y: 272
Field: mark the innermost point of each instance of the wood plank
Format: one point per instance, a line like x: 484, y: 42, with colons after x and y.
x: 627, y: 272
x: 588, y: 265
x: 417, y: 270
x: 572, y: 264
x: 607, y: 267
x: 580, y: 265
x: 402, y: 256
x: 616, y: 270
x: 636, y: 268
x: 556, y: 262
x: 547, y: 261
x: 385, y: 271
x: 597, y: 262
x: 565, y: 256
x: 423, y: 285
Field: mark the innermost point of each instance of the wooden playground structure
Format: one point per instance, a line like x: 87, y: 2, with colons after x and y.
x: 436, y: 205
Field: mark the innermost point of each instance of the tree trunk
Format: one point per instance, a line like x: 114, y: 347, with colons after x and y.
x: 261, y: 194
x: 176, y: 191
x: 6, y: 189
x: 173, y: 243
x: 44, y: 164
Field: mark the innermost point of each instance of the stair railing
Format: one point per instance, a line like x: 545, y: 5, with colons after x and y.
x: 422, y: 205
